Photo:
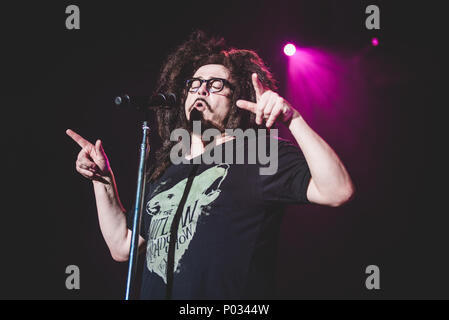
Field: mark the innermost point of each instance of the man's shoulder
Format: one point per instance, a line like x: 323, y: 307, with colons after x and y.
x: 282, y: 143
x: 265, y: 137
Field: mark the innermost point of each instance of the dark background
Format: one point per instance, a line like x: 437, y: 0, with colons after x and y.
x: 56, y: 79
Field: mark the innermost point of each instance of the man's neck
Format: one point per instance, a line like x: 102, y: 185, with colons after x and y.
x: 197, y: 146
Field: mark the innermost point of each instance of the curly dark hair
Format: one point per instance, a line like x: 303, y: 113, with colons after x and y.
x: 197, y: 51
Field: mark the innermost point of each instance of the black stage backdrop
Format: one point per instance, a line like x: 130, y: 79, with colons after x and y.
x: 54, y: 79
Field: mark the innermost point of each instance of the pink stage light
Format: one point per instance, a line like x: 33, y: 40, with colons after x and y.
x: 375, y: 42
x: 289, y: 49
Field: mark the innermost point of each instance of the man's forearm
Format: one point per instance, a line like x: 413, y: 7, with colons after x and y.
x: 328, y: 173
x: 111, y: 215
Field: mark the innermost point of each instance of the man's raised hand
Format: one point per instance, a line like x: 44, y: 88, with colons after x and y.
x: 92, y: 161
x: 269, y: 105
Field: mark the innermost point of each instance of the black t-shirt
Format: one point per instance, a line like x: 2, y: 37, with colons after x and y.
x: 227, y: 235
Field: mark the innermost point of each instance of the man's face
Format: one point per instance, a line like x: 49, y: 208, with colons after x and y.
x: 212, y: 106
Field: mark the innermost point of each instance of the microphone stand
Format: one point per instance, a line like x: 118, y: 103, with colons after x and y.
x: 144, y: 104
x: 140, y: 194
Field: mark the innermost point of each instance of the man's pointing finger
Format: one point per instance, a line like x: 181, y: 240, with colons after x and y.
x: 258, y: 86
x: 77, y: 138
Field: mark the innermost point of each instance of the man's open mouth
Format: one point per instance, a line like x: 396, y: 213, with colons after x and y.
x: 200, y: 106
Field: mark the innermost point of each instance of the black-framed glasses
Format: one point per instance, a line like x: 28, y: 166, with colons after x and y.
x: 212, y: 85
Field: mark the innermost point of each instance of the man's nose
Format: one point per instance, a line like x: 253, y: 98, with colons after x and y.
x: 202, y: 91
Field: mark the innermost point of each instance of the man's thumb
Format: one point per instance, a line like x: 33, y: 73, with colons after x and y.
x: 99, y: 148
x: 247, y: 105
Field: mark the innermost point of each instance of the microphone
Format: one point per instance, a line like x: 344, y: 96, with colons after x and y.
x: 146, y: 102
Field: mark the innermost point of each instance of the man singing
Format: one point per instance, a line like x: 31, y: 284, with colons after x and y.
x: 224, y: 245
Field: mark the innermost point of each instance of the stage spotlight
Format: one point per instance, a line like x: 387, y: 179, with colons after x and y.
x: 375, y: 42
x: 289, y: 49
